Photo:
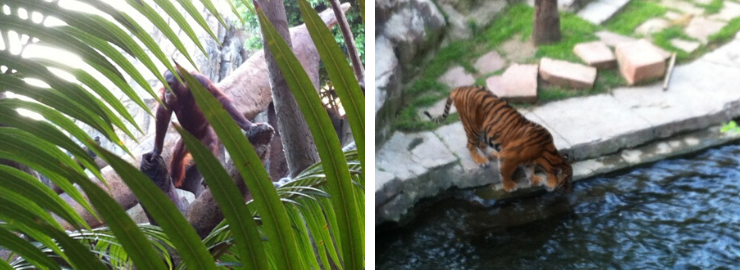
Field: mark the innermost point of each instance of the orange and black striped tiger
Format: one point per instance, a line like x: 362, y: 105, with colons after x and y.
x: 490, y: 121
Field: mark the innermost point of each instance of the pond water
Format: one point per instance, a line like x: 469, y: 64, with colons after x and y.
x: 674, y: 214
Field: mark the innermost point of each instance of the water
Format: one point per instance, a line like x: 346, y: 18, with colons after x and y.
x: 674, y: 214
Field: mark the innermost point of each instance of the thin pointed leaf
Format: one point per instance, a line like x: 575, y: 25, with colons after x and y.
x: 50, y: 134
x: 182, y: 235
x: 79, y: 256
x: 175, y: 15
x: 212, y: 9
x: 54, y: 99
x: 46, y: 161
x: 340, y: 73
x: 195, y: 14
x: 136, y: 29
x: 276, y: 223
x: 57, y: 39
x: 24, y: 184
x: 327, y: 143
x: 230, y: 201
x: 151, y: 14
x: 304, y: 242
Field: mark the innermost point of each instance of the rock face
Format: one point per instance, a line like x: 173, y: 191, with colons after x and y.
x: 465, y: 17
x: 517, y: 84
x: 413, y: 26
x: 408, y: 32
x: 596, y: 54
x: 567, y: 74
x: 639, y: 61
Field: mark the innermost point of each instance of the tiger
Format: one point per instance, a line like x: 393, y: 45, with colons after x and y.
x: 489, y: 121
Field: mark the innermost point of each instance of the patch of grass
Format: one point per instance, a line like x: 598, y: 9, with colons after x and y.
x: 727, y: 33
x: 663, y: 39
x: 573, y: 30
x: 608, y: 79
x: 517, y: 19
x: 634, y: 14
x: 712, y: 8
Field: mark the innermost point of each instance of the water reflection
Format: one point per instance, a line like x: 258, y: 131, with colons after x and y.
x: 677, y: 214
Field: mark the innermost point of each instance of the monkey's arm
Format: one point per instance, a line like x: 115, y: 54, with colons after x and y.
x: 228, y: 105
x: 163, y: 116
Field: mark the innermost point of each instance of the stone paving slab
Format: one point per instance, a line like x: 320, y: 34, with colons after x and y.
x: 685, y: 45
x: 601, y: 10
x: 611, y: 125
x: 729, y: 11
x: 456, y: 76
x: 701, y: 28
x: 489, y: 62
x: 683, y: 6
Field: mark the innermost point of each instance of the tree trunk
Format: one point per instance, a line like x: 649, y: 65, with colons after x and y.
x: 278, y: 166
x: 349, y: 41
x: 300, y: 149
x: 546, y: 22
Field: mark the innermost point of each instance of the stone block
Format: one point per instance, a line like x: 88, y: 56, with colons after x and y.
x: 595, y: 54
x: 685, y: 45
x: 613, y: 39
x: 701, y: 28
x: 517, y: 84
x: 567, y: 74
x: 640, y: 61
x: 456, y: 76
x: 489, y: 62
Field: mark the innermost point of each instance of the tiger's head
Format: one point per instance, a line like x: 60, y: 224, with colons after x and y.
x: 564, y: 174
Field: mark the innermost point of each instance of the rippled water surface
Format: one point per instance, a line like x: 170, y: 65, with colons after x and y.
x: 674, y: 214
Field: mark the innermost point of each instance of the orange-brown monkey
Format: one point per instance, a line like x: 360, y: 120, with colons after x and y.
x: 191, y: 119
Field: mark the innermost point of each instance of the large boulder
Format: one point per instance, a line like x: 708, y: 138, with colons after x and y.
x: 464, y: 17
x: 408, y: 33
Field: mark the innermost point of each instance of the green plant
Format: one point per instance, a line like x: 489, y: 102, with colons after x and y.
x: 730, y: 127
x: 634, y: 14
x: 325, y: 201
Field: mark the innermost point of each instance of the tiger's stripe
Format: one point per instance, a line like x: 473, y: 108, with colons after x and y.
x: 490, y: 122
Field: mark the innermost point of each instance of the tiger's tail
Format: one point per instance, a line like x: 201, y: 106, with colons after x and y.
x: 444, y: 115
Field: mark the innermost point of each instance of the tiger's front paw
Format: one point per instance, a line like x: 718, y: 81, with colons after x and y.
x: 535, y: 180
x: 509, y: 186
